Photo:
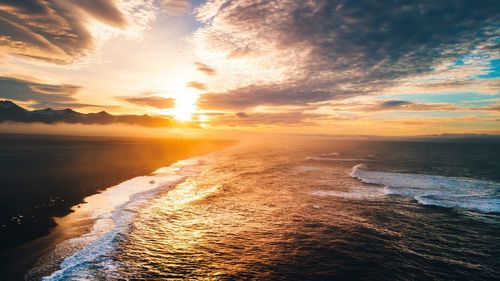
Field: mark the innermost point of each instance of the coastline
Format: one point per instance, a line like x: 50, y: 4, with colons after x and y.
x: 86, y: 223
x: 15, y: 262
x: 112, y: 211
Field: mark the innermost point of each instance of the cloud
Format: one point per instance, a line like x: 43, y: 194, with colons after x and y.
x: 402, y: 105
x: 205, y: 68
x: 241, y: 52
x: 58, y: 31
x: 310, y: 51
x: 394, y: 104
x: 40, y: 94
x: 448, y: 78
x: 264, y: 118
x: 152, y: 101
x: 177, y: 7
x: 255, y: 95
x: 197, y: 85
x: 105, y: 11
x: 241, y: 114
x: 488, y: 108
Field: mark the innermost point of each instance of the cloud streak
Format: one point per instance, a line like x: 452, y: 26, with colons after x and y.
x: 40, y: 94
x: 242, y: 119
x: 197, y: 85
x: 205, y: 68
x: 401, y: 105
x: 255, y: 95
x: 152, y: 101
x: 177, y: 7
x: 58, y: 31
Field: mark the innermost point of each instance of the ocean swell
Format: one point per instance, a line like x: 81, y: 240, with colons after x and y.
x: 452, y: 192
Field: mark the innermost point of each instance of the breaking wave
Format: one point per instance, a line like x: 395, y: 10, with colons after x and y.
x: 452, y: 192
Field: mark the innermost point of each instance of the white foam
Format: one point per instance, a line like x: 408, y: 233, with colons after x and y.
x: 443, y: 191
x: 315, y: 158
x: 358, y: 193
x: 332, y: 154
x: 113, y: 211
x: 305, y: 169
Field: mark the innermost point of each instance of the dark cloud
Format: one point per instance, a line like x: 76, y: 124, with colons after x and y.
x: 152, y: 101
x: 254, y: 95
x: 353, y: 47
x: 394, y: 104
x: 197, y: 85
x: 41, y: 94
x: 401, y: 105
x: 35, y: 7
x: 103, y: 10
x: 52, y: 30
x: 389, y: 39
x: 241, y: 114
x: 205, y: 68
x: 410, y: 106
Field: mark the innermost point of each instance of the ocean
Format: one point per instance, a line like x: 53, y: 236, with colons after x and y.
x: 315, y: 210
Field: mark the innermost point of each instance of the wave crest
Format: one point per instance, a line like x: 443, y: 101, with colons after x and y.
x: 452, y: 192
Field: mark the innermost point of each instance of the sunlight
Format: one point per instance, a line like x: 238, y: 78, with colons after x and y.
x: 185, y: 106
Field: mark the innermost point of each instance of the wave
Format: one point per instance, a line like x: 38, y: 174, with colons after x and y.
x: 306, y: 169
x: 452, y: 192
x: 113, y: 211
x: 358, y: 193
x: 332, y: 154
x: 331, y: 159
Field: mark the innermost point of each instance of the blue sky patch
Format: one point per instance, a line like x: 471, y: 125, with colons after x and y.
x: 463, y: 98
x: 493, y: 70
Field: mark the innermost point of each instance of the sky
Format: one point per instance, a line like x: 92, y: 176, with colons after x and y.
x: 283, y: 66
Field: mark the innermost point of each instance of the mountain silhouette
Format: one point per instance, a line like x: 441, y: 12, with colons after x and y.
x: 11, y: 112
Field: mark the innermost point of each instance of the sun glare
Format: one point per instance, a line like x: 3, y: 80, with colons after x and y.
x: 185, y: 107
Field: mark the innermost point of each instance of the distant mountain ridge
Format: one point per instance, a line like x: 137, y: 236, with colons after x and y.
x: 11, y: 112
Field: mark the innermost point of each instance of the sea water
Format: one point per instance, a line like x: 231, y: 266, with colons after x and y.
x: 330, y: 211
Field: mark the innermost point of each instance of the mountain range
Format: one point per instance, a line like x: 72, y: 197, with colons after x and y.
x: 11, y: 112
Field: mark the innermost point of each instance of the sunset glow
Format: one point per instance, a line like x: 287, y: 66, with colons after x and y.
x: 177, y: 59
x: 293, y: 140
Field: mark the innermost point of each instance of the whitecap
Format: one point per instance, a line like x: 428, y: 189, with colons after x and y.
x: 358, y: 193
x: 331, y: 159
x: 453, y: 192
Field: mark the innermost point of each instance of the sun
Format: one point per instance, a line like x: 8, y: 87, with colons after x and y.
x: 185, y: 106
